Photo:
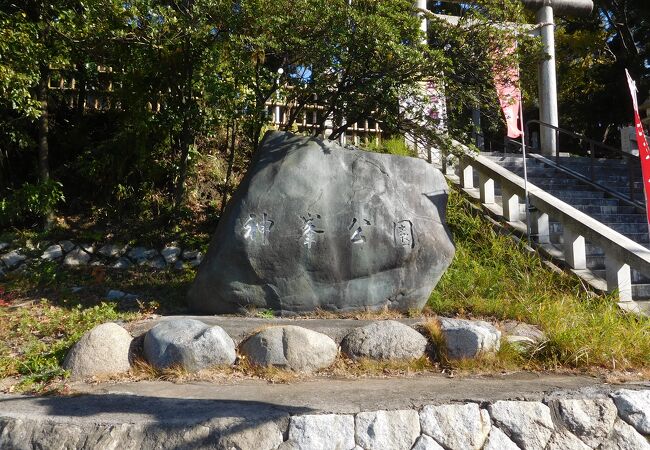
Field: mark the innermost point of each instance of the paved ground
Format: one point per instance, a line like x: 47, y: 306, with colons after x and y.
x: 168, y: 402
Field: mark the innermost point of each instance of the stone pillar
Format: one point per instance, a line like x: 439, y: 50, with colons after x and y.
x: 547, y: 82
x: 486, y: 188
x: 574, y: 249
x: 422, y: 4
x: 619, y: 278
x: 510, y: 205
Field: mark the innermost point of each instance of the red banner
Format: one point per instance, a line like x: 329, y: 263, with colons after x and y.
x: 509, y: 94
x: 642, y: 143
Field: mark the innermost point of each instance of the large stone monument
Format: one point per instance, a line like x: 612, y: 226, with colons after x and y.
x: 314, y: 225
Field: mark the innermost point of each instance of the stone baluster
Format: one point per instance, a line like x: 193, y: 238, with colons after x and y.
x: 618, y: 277
x: 510, y: 204
x: 574, y: 249
x: 486, y: 188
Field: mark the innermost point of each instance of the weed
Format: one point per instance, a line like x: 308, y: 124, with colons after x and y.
x: 494, y: 276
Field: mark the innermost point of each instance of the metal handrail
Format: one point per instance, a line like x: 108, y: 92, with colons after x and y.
x: 630, y: 159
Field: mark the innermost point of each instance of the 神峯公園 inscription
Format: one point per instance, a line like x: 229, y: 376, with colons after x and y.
x: 310, y: 230
x: 257, y: 229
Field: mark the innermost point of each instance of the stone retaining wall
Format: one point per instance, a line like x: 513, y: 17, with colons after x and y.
x: 619, y: 420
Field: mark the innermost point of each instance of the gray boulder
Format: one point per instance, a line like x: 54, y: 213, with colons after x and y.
x: 188, y: 343
x: 157, y: 262
x: 292, y: 240
x: 386, y: 339
x: 122, y: 263
x: 469, y: 338
x: 67, y: 246
x: 13, y: 259
x: 424, y: 442
x: 456, y: 426
x: 591, y: 420
x: 290, y: 347
x: 104, y: 350
x: 528, y: 424
x: 77, y: 257
x: 624, y: 437
x: 498, y: 440
x: 322, y: 432
x: 112, y: 250
x: 634, y: 408
x: 52, y: 252
x: 378, y: 430
x: 170, y: 253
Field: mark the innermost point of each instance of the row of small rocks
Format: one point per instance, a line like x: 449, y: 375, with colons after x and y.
x: 112, y: 255
x: 619, y: 421
x: 193, y: 345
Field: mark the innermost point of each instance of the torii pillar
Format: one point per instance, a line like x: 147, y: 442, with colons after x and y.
x: 547, y: 81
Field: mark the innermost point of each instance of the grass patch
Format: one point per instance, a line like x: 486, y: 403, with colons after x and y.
x: 42, y: 314
x: 494, y: 276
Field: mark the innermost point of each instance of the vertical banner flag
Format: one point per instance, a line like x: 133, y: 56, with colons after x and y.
x: 509, y: 94
x: 642, y: 143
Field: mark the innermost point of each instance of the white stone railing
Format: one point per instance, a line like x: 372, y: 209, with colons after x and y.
x: 621, y: 253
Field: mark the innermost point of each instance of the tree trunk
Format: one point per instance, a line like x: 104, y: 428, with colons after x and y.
x: 231, y: 163
x: 43, y: 145
x: 43, y: 130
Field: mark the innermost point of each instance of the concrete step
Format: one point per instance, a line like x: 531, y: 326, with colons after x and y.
x: 637, y: 279
x: 605, y: 209
x: 589, y: 201
x: 562, y: 194
x: 620, y: 218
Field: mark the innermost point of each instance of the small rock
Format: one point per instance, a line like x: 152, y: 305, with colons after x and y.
x: 88, y: 248
x: 498, y: 440
x: 424, y: 442
x: 114, y: 294
x: 179, y: 265
x: 112, y: 250
x: 191, y: 254
x: 386, y: 339
x: 104, y: 350
x: 3, y: 245
x: 624, y: 437
x: 290, y: 347
x: 122, y: 263
x: 195, y: 262
x: 322, y: 432
x: 634, y: 408
x: 67, y: 246
x: 456, y: 426
x: 77, y: 257
x: 528, y: 424
x: 139, y: 254
x: 76, y: 289
x: 387, y: 429
x: 469, y: 338
x: 188, y: 343
x: 521, y: 343
x: 170, y: 253
x: 591, y: 420
x: 96, y: 263
x: 515, y: 328
x: 157, y: 263
x: 52, y: 252
x: 564, y: 440
x: 13, y: 259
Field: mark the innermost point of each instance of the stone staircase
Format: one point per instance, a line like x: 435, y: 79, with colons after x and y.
x: 608, y: 208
